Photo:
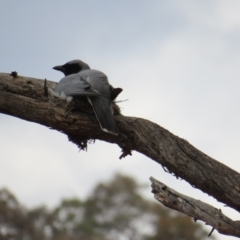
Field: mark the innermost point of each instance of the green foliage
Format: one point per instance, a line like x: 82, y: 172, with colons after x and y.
x: 15, y: 222
x: 114, y: 210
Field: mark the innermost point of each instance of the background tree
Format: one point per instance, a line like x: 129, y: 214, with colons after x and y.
x: 16, y: 221
x: 113, y: 210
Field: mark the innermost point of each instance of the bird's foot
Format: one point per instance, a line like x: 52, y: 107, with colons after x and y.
x: 70, y: 108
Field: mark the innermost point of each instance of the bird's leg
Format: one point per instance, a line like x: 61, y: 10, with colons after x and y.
x: 70, y: 107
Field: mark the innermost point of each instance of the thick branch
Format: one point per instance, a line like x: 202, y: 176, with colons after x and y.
x: 23, y: 97
x: 195, y: 208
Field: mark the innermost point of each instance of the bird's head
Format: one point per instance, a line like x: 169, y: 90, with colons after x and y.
x: 72, y: 67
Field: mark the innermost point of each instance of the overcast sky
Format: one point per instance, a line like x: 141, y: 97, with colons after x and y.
x: 177, y: 61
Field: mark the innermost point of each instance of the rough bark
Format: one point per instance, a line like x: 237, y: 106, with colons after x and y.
x: 23, y: 97
x: 195, y: 208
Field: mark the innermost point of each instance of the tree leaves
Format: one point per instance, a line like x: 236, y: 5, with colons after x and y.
x: 114, y: 210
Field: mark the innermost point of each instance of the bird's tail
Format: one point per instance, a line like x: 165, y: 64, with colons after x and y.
x: 103, y: 111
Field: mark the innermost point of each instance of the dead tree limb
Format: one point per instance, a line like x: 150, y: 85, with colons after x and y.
x: 195, y: 208
x: 24, y: 98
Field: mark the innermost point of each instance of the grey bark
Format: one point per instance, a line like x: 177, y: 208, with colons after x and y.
x: 23, y: 97
x: 195, y: 208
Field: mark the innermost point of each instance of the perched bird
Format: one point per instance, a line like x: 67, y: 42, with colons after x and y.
x: 80, y: 80
x: 76, y: 66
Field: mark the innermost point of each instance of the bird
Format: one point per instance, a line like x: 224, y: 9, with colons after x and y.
x: 75, y: 66
x: 80, y: 80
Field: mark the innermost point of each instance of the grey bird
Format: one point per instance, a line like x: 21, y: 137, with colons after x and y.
x: 76, y: 66
x: 80, y: 80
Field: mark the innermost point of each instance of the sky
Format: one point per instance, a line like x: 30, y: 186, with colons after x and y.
x: 178, y: 65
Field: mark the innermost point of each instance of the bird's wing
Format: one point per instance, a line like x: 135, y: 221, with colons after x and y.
x: 103, y: 110
x: 102, y: 105
x: 75, y: 85
x: 98, y: 81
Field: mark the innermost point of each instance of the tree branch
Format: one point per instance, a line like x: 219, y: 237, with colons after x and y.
x: 195, y: 208
x: 23, y: 97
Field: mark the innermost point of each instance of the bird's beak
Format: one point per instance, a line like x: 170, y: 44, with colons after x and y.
x: 59, y: 68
